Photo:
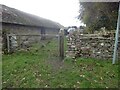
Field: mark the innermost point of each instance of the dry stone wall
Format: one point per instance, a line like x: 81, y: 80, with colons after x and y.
x: 91, y: 45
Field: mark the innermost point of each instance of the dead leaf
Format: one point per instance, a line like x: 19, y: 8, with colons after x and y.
x: 23, y: 78
x: 78, y: 82
x: 82, y: 75
x: 46, y: 85
x: 95, y: 80
x: 74, y: 86
x: 101, y: 78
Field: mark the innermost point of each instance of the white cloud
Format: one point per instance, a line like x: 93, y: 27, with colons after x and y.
x: 62, y: 11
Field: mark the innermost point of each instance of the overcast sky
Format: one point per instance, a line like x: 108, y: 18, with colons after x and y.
x: 61, y: 11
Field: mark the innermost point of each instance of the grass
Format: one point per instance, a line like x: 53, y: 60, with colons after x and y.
x: 41, y: 68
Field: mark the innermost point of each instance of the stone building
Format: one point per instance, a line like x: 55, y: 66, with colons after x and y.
x: 17, y: 22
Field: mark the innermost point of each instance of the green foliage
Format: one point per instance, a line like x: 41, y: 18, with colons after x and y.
x: 99, y: 14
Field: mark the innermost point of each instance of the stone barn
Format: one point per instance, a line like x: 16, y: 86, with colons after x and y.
x: 17, y: 22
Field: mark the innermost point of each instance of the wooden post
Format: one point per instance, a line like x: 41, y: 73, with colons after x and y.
x: 61, y: 44
x: 8, y: 44
x: 43, y: 33
x: 19, y: 42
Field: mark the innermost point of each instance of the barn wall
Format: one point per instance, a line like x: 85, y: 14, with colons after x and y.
x: 21, y: 29
x: 52, y: 31
x: 26, y: 30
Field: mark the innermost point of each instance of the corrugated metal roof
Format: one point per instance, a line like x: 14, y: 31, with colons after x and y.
x: 11, y: 15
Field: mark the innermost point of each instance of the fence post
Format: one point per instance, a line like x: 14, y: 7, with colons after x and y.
x: 116, y: 37
x: 8, y: 44
x: 61, y: 44
x: 19, y: 45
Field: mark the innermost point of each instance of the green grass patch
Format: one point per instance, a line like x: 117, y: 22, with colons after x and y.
x: 41, y: 68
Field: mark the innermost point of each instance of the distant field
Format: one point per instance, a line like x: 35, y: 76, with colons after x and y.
x: 43, y: 69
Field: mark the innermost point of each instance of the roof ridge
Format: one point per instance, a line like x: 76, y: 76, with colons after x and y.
x: 13, y: 15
